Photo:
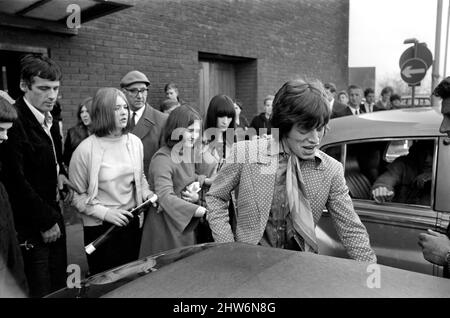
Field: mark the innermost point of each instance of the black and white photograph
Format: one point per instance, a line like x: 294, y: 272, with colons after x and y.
x: 228, y: 156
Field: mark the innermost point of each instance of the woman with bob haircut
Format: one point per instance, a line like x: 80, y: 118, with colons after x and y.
x: 285, y: 181
x: 80, y: 131
x: 220, y: 117
x: 176, y: 183
x: 108, y: 174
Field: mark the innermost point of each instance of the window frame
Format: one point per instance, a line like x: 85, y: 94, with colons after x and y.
x: 343, y: 145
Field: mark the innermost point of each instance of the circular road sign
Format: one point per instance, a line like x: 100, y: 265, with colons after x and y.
x: 413, y: 71
x: 422, y: 53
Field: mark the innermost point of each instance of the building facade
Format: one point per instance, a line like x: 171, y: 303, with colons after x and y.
x: 244, y: 48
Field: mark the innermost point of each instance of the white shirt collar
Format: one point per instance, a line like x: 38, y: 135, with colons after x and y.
x: 39, y: 116
x: 139, y: 114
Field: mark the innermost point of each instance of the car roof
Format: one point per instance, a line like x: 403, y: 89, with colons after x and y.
x: 243, y: 270
x: 409, y: 122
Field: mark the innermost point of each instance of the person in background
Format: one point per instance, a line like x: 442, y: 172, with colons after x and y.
x: 12, y: 276
x: 335, y: 104
x: 261, y: 123
x: 108, y: 174
x: 408, y: 178
x: 146, y: 122
x: 285, y: 183
x: 241, y: 121
x: 168, y: 105
x: 171, y: 91
x: 79, y: 132
x: 384, y: 103
x: 355, y: 105
x: 436, y: 246
x: 220, y: 116
x: 369, y: 96
x: 396, y: 101
x: 342, y: 97
x: 35, y: 177
x: 176, y: 183
x: 218, y: 140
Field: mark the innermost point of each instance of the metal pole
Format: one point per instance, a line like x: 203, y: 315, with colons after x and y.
x: 446, y: 41
x: 437, y: 53
x: 413, y: 87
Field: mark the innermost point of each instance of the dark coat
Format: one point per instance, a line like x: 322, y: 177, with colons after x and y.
x: 11, y: 262
x: 346, y: 111
x: 150, y: 129
x: 75, y: 136
x: 29, y: 167
x: 243, y: 122
x: 261, y: 121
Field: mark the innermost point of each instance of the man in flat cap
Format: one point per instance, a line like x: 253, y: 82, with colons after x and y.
x: 146, y: 122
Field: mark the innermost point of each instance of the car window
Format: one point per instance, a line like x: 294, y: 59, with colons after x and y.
x: 394, y: 171
x: 397, y: 148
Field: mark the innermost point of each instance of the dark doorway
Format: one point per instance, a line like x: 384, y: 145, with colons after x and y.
x: 10, y: 68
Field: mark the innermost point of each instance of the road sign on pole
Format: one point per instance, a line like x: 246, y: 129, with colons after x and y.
x: 413, y: 71
x: 422, y: 52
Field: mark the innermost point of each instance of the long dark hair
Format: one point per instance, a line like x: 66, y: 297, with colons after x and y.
x: 220, y: 106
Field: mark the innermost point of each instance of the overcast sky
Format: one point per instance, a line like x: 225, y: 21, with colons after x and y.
x: 379, y: 27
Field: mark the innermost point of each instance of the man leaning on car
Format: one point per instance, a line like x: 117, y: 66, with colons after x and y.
x: 436, y: 246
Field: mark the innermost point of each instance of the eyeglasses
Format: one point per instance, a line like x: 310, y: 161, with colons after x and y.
x: 135, y: 92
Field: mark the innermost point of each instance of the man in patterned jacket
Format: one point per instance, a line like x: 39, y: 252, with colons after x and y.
x: 285, y: 182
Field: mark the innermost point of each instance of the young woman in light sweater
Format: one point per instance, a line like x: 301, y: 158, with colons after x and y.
x: 107, y: 171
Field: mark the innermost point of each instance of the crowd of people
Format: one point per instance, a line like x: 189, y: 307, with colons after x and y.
x: 355, y: 100
x: 205, y: 183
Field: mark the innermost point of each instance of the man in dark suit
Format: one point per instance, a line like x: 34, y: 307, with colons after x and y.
x: 355, y: 104
x: 335, y: 105
x: 33, y: 177
x: 146, y: 122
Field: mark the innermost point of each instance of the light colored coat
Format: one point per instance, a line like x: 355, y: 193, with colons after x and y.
x: 83, y: 173
x: 253, y: 170
x: 173, y: 224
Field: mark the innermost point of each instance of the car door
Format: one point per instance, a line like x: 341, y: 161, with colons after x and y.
x: 393, y: 226
x: 442, y: 198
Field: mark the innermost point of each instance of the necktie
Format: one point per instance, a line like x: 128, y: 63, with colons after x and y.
x: 301, y: 213
x: 357, y: 112
x: 133, y: 123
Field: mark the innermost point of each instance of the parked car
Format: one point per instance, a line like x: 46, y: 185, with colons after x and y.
x: 238, y: 270
x: 366, y: 145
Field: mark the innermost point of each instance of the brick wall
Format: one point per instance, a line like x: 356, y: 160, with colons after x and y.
x: 287, y: 39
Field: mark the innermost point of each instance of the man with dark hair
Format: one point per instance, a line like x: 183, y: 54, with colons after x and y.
x: 286, y: 182
x: 262, y: 121
x: 355, y: 105
x: 436, y: 246
x: 34, y: 177
x: 369, y: 103
x: 12, y: 276
x: 335, y: 105
x: 146, y: 122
